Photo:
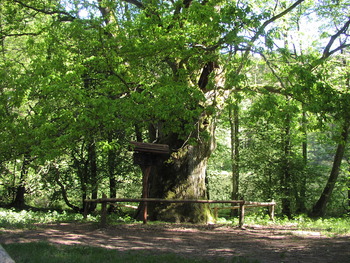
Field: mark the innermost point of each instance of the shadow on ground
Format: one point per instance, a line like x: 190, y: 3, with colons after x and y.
x: 267, y: 244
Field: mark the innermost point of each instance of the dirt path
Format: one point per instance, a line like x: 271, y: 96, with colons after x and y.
x: 267, y: 244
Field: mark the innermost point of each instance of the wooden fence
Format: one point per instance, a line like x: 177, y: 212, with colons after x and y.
x: 240, y: 204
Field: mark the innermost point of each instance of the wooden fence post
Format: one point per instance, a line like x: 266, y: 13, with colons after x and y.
x: 216, y: 212
x: 145, y: 192
x: 272, y: 211
x: 86, y: 209
x: 103, y: 211
x: 241, y: 214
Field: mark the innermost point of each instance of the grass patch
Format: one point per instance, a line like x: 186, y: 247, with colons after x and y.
x: 328, y: 226
x: 45, y: 252
x: 27, y: 219
x: 11, y: 218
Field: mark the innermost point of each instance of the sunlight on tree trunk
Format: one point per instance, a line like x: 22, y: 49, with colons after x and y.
x: 182, y: 177
x: 286, y: 180
x: 301, y: 208
x: 319, y: 209
x: 234, y: 128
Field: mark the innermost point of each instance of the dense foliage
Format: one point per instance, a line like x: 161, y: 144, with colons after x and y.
x: 81, y: 79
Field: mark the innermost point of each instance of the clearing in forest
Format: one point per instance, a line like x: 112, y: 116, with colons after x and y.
x: 263, y: 243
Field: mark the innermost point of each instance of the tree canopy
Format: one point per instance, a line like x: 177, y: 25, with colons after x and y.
x: 81, y: 79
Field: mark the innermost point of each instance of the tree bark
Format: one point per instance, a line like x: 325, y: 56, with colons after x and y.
x: 82, y: 172
x: 234, y: 127
x: 182, y: 177
x: 19, y: 201
x: 93, y: 178
x: 286, y: 176
x: 111, y: 164
x: 301, y: 208
x: 63, y: 190
x: 299, y: 183
x: 319, y: 209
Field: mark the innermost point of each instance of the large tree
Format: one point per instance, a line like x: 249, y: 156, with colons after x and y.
x: 175, y: 53
x: 163, y: 67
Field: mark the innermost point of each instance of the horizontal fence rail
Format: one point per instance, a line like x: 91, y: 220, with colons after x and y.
x: 242, y: 204
x: 124, y: 200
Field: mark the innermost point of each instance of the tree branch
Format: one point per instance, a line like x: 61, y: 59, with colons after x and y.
x: 136, y: 3
x: 204, y: 77
x: 342, y: 46
x: 276, y: 17
x: 268, y: 88
x: 19, y: 35
x: 273, y: 70
x: 63, y: 190
x: 105, y: 11
x: 45, y: 11
x: 327, y: 51
x: 262, y: 28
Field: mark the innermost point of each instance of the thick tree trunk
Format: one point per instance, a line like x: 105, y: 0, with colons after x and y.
x: 319, y: 208
x: 19, y: 201
x: 182, y: 177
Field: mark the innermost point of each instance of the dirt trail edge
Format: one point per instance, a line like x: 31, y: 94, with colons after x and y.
x: 264, y: 243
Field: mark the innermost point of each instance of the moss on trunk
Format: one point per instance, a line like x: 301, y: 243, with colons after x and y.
x: 182, y: 176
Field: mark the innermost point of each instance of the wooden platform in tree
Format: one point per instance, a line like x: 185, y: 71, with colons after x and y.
x: 154, y: 148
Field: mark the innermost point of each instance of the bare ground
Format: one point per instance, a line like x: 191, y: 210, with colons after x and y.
x: 264, y: 243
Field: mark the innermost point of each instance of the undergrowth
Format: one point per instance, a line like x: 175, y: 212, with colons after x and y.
x: 328, y: 226
x: 10, y: 218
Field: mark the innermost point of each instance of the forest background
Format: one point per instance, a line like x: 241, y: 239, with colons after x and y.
x: 252, y: 98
